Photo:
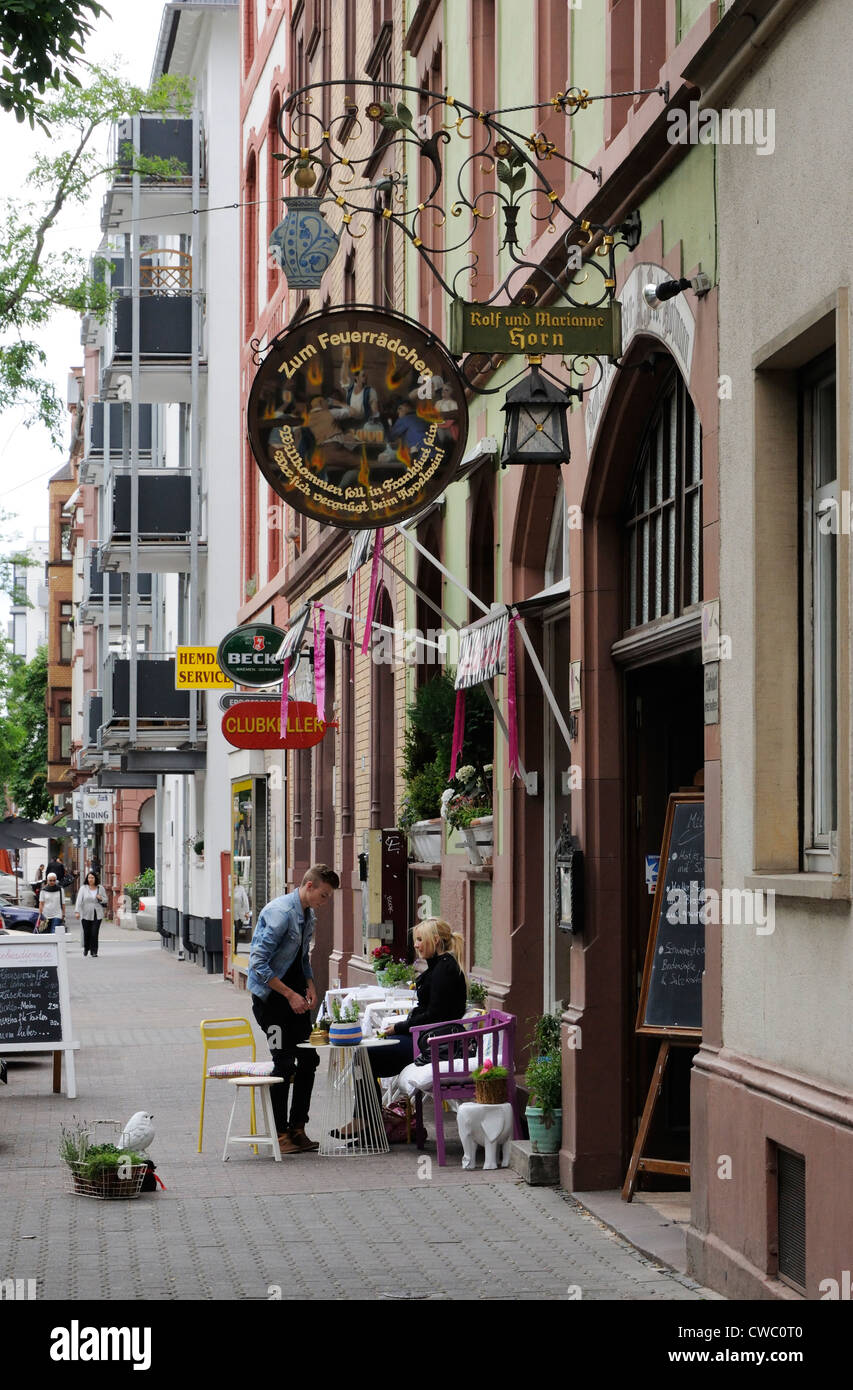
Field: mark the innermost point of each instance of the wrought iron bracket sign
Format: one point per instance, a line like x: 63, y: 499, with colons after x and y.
x: 357, y: 418
x: 568, y: 882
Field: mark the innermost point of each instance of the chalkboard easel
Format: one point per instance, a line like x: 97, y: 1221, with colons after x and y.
x: 35, y: 1005
x: 670, y: 1004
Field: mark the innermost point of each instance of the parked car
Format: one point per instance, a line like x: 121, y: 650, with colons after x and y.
x: 26, y: 896
x: 149, y: 907
x: 18, y: 918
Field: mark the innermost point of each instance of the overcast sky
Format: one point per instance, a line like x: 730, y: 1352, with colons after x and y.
x: 27, y: 457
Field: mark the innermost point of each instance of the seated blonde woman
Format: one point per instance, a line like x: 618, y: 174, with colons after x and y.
x: 442, y: 993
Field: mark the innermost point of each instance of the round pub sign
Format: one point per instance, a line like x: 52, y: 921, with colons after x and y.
x: 357, y: 418
x: 249, y: 655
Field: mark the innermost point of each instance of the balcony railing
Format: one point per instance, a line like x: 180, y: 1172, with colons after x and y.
x: 95, y: 430
x: 165, y: 506
x: 158, y: 139
x: 92, y: 600
x: 162, y: 712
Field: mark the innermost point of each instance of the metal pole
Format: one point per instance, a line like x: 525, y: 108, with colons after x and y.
x: 134, y: 437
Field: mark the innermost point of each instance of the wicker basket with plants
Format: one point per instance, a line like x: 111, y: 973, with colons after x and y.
x: 97, y: 1167
x: 490, y: 1084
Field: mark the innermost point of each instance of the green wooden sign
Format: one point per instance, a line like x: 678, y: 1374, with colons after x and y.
x: 249, y: 655
x: 514, y: 328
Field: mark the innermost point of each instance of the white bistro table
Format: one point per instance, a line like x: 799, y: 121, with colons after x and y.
x: 352, y: 1099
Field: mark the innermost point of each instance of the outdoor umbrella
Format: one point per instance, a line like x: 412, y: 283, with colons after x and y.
x: 10, y: 840
x: 34, y: 829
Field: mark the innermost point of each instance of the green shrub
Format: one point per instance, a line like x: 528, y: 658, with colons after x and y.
x: 143, y: 886
x: 429, y: 739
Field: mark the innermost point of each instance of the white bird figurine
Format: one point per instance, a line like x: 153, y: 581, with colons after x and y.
x: 138, y: 1132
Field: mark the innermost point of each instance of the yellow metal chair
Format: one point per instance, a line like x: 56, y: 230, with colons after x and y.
x: 230, y: 1033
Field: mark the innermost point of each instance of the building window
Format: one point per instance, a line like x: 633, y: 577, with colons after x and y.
x: 557, y: 554
x: 664, y: 523
x: 250, y: 245
x: 349, y: 279
x: 66, y: 632
x: 65, y: 540
x: 820, y: 612
x: 64, y: 742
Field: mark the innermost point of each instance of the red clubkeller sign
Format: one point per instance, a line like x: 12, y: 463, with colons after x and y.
x: 257, y: 724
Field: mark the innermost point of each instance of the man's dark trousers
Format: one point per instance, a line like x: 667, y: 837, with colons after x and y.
x: 275, y: 1013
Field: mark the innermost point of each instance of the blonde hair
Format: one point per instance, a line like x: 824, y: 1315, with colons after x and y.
x: 443, y: 938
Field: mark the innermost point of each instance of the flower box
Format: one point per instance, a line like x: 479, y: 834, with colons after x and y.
x: 479, y: 840
x: 425, y: 838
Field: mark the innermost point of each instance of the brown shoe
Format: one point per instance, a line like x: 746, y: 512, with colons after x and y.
x: 302, y: 1143
x: 286, y: 1144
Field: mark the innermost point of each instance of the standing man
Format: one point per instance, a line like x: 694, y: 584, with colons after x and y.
x: 283, y: 994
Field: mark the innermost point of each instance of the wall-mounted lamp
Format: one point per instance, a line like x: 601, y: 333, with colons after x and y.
x: 655, y: 295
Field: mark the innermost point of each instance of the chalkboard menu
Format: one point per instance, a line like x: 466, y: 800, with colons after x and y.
x: 35, y: 1005
x: 671, y: 994
x: 29, y: 1005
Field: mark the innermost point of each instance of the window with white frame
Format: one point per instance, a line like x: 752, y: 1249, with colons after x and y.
x: 821, y: 524
x: 557, y: 554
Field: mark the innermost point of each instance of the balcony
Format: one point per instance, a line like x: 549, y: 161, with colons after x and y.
x: 162, y: 712
x: 92, y: 608
x: 92, y: 464
x: 164, y: 525
x: 169, y: 199
x: 89, y: 757
x: 167, y: 304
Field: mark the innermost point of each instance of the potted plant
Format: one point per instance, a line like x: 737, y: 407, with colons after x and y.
x: 426, y: 757
x: 490, y: 1084
x: 399, y: 973
x: 382, y: 958
x: 345, y: 1029
x: 476, y: 994
x: 544, y: 1113
x: 467, y: 806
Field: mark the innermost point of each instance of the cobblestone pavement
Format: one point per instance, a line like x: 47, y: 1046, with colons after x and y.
x: 308, y: 1228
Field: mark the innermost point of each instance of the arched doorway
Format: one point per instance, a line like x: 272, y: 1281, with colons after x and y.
x: 643, y: 715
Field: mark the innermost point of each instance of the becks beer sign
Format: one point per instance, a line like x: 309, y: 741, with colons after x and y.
x: 249, y: 655
x: 257, y: 724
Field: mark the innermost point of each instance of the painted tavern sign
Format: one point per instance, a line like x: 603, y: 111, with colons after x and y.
x: 357, y: 418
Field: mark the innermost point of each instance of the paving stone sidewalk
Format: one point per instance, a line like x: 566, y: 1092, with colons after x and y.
x: 392, y: 1227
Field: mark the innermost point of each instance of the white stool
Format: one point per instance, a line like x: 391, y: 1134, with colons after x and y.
x: 269, y: 1134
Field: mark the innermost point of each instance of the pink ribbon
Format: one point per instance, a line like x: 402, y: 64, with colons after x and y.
x: 512, y: 710
x: 374, y: 585
x: 285, y: 698
x: 320, y: 659
x: 353, y: 611
x: 458, y: 731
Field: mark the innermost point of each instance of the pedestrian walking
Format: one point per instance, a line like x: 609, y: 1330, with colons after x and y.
x: 52, y: 903
x: 90, y: 905
x: 283, y: 994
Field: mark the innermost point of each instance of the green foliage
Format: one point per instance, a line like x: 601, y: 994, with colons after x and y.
x: 92, y: 1161
x: 490, y: 1073
x: 544, y: 1080
x: 35, y: 281
x: 547, y: 1035
x: 23, y: 731
x: 397, y: 972
x: 429, y: 738
x: 39, y: 40
x: 423, y: 797
x: 143, y: 886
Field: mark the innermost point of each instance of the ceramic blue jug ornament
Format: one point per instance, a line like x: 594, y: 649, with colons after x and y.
x: 304, y: 244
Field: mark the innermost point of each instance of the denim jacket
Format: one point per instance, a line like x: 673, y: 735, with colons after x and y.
x: 282, y: 933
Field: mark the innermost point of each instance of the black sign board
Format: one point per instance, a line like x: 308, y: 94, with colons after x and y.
x: 516, y: 328
x: 29, y: 1005
x: 671, y: 994
x: 35, y: 1008
x: 357, y: 418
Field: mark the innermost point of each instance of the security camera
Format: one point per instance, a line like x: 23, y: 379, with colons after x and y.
x: 655, y: 295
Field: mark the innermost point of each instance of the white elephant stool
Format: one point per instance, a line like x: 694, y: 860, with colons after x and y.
x: 488, y: 1125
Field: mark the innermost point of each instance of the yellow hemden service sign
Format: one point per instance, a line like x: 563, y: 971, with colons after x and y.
x: 196, y: 668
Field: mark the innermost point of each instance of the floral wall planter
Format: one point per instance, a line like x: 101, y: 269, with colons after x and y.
x: 479, y: 840
x: 425, y: 838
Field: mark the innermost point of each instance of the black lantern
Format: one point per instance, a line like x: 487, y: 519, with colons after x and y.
x: 536, y: 429
x: 568, y: 882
